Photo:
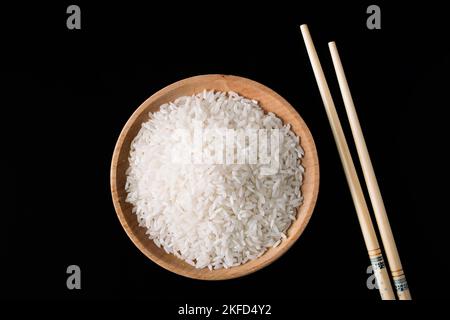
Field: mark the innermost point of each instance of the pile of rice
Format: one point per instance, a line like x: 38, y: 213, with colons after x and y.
x: 212, y: 215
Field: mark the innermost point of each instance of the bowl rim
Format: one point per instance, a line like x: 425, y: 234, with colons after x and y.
x: 116, y: 198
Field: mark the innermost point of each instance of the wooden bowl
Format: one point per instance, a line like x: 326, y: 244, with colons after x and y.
x: 269, y: 101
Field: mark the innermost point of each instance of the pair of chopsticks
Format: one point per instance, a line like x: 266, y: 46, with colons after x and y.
x: 365, y: 221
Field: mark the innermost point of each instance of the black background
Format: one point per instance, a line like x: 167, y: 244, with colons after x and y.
x: 66, y: 95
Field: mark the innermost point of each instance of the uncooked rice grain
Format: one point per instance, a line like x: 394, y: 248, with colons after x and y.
x: 212, y: 215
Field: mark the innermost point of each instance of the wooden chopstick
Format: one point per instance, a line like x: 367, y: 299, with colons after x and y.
x: 368, y: 231
x: 379, y: 209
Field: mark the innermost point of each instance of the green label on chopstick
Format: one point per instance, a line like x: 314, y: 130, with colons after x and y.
x: 401, y: 284
x: 377, y: 262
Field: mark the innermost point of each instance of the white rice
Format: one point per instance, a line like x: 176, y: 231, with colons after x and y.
x: 212, y: 215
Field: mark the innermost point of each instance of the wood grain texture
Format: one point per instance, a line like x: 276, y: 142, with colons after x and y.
x: 269, y: 101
